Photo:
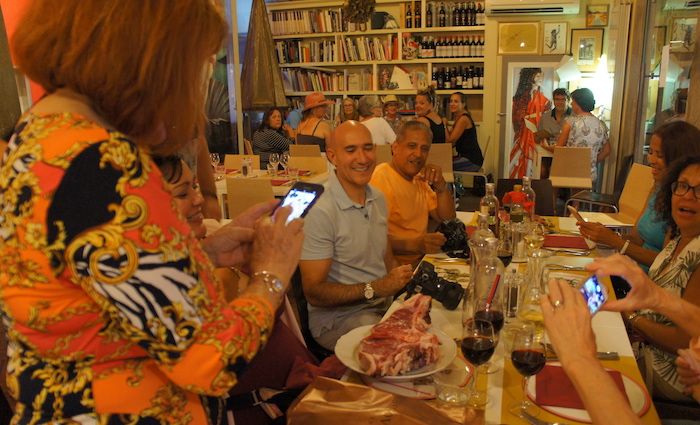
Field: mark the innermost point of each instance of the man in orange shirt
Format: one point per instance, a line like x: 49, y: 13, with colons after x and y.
x: 414, y: 192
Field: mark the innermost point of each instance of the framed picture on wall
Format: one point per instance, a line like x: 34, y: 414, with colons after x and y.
x: 683, y: 34
x: 597, y: 15
x: 519, y: 38
x: 586, y: 48
x: 554, y: 38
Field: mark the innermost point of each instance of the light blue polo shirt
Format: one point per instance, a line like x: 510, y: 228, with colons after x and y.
x: 354, y: 236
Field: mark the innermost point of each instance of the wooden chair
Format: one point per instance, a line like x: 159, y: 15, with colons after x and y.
x: 317, y: 165
x: 305, y: 150
x: 234, y: 161
x: 248, y: 147
x: 243, y: 193
x: 633, y: 200
x: 383, y: 154
x: 441, y: 155
x: 571, y: 167
x: 604, y: 200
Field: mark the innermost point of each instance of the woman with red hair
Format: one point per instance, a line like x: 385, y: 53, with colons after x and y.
x: 114, y: 314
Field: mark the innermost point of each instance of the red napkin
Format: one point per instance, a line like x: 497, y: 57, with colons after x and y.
x: 554, y: 388
x: 559, y: 241
x: 470, y: 230
x: 304, y: 173
x: 278, y: 182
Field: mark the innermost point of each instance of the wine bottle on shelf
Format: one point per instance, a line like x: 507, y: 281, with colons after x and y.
x: 448, y: 79
x: 442, y: 15
x: 480, y: 47
x: 441, y: 79
x: 468, y: 83
x: 455, y: 14
x: 433, y: 53
x: 464, y: 78
x: 416, y: 15
x: 453, y: 78
x: 479, y: 14
x: 481, y: 78
x: 474, y: 12
x: 434, y: 78
x: 459, y: 79
x: 438, y: 48
x: 470, y: 47
x: 429, y: 16
x: 409, y: 16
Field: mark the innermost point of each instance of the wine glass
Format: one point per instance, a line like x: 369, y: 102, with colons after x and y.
x: 534, y: 239
x: 528, y: 357
x: 274, y: 160
x: 284, y: 160
x: 478, y: 344
x: 214, y: 158
x: 491, y: 311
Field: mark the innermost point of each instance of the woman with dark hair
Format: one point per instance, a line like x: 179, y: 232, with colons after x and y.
x: 425, y: 113
x: 528, y: 105
x: 463, y: 136
x: 313, y: 128
x: 677, y: 270
x: 273, y: 136
x: 583, y: 129
x: 669, y: 142
x: 113, y: 312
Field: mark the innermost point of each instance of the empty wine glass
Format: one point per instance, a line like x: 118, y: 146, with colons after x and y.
x: 214, y: 158
x: 274, y: 160
x: 478, y: 344
x: 528, y: 357
x: 284, y: 160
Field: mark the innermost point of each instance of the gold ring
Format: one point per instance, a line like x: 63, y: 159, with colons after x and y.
x: 558, y: 303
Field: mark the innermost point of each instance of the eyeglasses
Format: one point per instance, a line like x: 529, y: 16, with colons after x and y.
x: 681, y: 188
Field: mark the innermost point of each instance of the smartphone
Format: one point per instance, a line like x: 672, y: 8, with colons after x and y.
x: 575, y: 213
x: 595, y: 294
x: 301, y: 197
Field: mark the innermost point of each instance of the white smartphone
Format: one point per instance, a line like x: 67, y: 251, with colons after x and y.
x: 595, y: 294
x: 575, y: 213
x: 301, y: 197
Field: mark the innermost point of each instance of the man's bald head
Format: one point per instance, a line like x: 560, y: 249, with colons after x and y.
x: 349, y: 128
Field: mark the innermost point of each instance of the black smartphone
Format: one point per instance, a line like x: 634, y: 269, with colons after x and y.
x: 301, y: 197
x: 594, y: 293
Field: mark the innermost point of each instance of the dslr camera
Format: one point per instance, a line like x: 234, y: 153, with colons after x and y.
x: 455, y: 238
x: 427, y: 282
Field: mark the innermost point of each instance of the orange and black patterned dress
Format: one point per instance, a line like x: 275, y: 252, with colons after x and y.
x: 113, y: 313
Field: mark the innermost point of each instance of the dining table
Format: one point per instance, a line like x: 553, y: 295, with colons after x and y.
x: 504, y: 384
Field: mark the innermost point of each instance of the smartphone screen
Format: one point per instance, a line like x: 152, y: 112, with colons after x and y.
x: 594, y: 293
x: 301, y: 197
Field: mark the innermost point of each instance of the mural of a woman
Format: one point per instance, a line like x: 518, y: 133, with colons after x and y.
x: 528, y: 105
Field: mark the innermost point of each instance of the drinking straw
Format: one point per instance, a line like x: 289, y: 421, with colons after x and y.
x: 492, y: 292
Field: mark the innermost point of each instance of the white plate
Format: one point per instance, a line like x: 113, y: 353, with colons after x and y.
x: 637, y: 395
x: 347, y: 346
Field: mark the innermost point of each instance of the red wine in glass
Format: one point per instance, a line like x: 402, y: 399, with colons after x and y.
x: 528, y: 362
x: 493, y: 316
x: 478, y: 350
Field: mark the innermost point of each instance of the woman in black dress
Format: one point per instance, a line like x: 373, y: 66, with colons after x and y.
x: 463, y: 136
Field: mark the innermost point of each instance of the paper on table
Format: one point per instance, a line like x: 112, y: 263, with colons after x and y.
x: 603, y: 219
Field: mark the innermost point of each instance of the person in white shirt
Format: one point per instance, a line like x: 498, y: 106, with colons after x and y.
x: 382, y: 133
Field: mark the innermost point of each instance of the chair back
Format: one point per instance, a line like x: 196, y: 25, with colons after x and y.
x: 243, y: 193
x: 638, y: 186
x: 298, y: 299
x: 248, y: 147
x: 623, y: 172
x: 234, y: 161
x: 441, y: 155
x: 383, y: 153
x: 305, y: 150
x: 317, y: 165
x: 571, y: 167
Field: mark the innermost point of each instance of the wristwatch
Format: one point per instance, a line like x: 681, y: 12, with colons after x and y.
x: 271, y: 281
x: 368, y: 291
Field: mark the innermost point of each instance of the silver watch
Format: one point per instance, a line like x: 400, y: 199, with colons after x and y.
x: 272, y: 282
x: 369, y: 291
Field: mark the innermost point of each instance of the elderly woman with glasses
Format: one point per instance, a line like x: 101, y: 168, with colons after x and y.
x: 676, y: 269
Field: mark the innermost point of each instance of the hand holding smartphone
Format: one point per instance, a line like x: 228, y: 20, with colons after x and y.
x: 594, y: 293
x: 301, y: 197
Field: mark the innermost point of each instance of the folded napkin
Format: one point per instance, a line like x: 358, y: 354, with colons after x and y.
x: 554, y: 388
x: 561, y: 241
x: 279, y: 182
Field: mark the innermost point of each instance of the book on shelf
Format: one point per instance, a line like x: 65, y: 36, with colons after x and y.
x: 359, y: 80
x: 364, y: 48
x: 302, y: 80
x: 308, y: 21
x: 301, y: 51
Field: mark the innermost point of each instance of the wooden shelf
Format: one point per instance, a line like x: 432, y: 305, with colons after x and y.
x: 398, y: 92
x: 385, y: 62
x: 443, y: 29
x: 380, y: 32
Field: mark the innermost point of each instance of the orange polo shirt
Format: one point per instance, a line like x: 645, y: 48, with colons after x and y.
x: 409, y: 204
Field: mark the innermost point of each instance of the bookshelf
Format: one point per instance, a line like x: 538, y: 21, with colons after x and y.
x: 319, y: 51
